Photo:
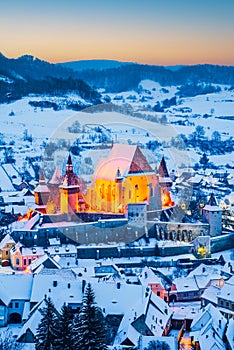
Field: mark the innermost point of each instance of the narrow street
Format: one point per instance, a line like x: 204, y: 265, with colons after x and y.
x: 185, y: 342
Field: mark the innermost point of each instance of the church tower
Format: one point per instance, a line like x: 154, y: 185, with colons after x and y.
x: 54, y: 184
x: 41, y: 194
x: 69, y: 190
x: 213, y: 215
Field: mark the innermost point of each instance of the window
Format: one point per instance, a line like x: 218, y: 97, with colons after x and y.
x: 16, y: 305
x: 7, y: 252
x: 158, y: 294
x: 25, y: 261
x: 17, y: 261
x: 10, y: 305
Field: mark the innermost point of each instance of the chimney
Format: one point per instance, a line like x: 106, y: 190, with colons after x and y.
x: 203, y: 269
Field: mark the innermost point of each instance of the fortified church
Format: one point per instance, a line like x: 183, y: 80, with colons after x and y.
x: 123, y: 178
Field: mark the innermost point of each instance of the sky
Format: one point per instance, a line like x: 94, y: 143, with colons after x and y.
x: 162, y: 32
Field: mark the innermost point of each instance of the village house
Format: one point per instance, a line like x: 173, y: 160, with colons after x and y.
x: 15, y: 294
x: 159, y: 285
x: 207, y: 329
x: 21, y: 257
x: 226, y: 298
x: 5, y: 246
x: 151, y: 316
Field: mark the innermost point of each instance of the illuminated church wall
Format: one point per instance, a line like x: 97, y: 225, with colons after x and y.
x: 112, y: 196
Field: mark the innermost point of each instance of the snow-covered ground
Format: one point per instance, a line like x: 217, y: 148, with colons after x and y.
x: 45, y: 124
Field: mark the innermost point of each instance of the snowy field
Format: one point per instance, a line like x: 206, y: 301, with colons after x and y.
x: 45, y: 124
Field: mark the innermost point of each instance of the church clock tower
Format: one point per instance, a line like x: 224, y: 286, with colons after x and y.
x: 69, y: 190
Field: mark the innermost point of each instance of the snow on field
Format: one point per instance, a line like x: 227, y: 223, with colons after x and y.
x: 40, y: 123
x: 47, y: 124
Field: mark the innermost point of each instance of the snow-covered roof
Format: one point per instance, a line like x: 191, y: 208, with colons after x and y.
x: 42, y: 260
x: 230, y: 333
x: 210, y: 340
x: 205, y: 270
x: 228, y: 268
x: 156, y: 315
x: 148, y: 277
x: 209, y: 317
x: 227, y: 292
x: 44, y: 281
x: 6, y: 240
x: 185, y: 284
x: 211, y: 294
x: 54, y: 241
x: 14, y: 287
x: 5, y: 182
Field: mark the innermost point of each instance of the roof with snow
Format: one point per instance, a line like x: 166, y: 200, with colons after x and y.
x: 212, y: 204
x: 211, y: 294
x: 149, y: 315
x: 227, y: 292
x: 6, y: 240
x: 209, y: 318
x: 15, y: 287
x: 230, y: 333
x: 185, y: 284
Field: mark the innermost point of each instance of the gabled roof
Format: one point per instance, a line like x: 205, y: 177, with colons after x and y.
x: 162, y: 170
x: 151, y: 311
x: 46, y: 261
x: 57, y: 177
x: 6, y: 240
x: 123, y: 158
x: 209, y: 315
x: 212, y: 204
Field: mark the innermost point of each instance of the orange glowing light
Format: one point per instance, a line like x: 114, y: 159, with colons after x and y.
x: 27, y: 270
x: 26, y: 216
x: 166, y: 198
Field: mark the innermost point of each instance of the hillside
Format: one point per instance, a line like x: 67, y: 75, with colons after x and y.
x: 127, y: 77
x: 28, y: 75
x: 92, y: 64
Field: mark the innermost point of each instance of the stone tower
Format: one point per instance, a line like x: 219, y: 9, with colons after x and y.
x: 41, y: 194
x: 213, y: 215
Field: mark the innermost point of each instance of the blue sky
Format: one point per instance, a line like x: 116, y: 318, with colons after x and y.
x: 149, y: 31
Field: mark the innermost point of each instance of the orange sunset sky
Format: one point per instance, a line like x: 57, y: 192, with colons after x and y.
x: 166, y: 32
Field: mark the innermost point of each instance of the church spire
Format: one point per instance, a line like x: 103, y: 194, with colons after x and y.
x: 42, y: 178
x: 69, y: 166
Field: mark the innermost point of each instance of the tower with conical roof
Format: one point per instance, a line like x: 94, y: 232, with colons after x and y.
x: 164, y: 178
x: 213, y: 215
x: 69, y: 190
x: 41, y: 194
x: 54, y: 184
